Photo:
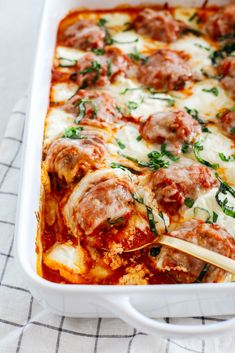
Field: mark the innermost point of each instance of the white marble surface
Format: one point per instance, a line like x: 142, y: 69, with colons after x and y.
x: 19, y: 23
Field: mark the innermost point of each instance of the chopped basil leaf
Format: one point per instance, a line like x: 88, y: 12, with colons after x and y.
x: 115, y: 165
x: 214, y: 217
x: 149, y: 214
x: 224, y: 188
x: 226, y: 50
x: 81, y: 104
x: 194, y: 114
x: 102, y: 22
x: 161, y: 215
x: 195, y: 212
x: 96, y: 67
x: 109, y: 68
x: 167, y: 153
x: 132, y: 105
x: 185, y: 147
x: 125, y: 90
x: 213, y: 90
x: 138, y: 199
x: 156, y: 161
x: 99, y: 51
x: 151, y: 220
x: 232, y: 109
x: 137, y: 56
x: 233, y: 130
x: 120, y: 144
x: 206, y: 74
x: 155, y: 251
x: 116, y: 221
x: 67, y: 62
x: 192, y: 31
x: 202, y: 273
x: 189, y: 202
x: 139, y: 138
x: 197, y: 147
x: 202, y: 46
x: 226, y: 159
x: 170, y: 101
x: 74, y: 133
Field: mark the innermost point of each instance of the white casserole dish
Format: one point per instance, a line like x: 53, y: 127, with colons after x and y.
x: 131, y: 303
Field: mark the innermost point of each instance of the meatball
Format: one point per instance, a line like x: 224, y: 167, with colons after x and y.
x: 165, y: 70
x: 102, y: 69
x: 227, y: 70
x: 71, y: 158
x: 187, y: 269
x: 85, y: 35
x: 158, y: 25
x: 94, y: 108
x: 100, y: 199
x: 222, y: 23
x: 174, y: 128
x: 180, y: 181
x: 227, y: 121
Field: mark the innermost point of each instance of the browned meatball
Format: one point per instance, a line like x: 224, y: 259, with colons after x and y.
x: 158, y: 25
x: 222, y: 23
x: 228, y: 122
x: 93, y: 108
x: 180, y: 181
x: 165, y: 70
x: 108, y: 200
x: 185, y: 268
x: 227, y: 70
x: 93, y: 70
x: 85, y: 35
x: 174, y: 128
x: 71, y: 158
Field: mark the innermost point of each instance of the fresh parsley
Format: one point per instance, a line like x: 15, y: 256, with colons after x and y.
x: 74, y: 133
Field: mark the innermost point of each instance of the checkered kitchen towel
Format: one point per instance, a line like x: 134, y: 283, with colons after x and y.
x: 25, y: 327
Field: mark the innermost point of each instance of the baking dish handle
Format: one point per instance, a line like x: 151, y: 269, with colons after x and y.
x: 122, y: 307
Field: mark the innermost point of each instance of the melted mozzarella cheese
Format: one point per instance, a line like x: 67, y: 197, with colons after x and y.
x: 137, y: 94
x: 56, y: 122
x: 66, y: 255
x: 137, y: 149
x: 208, y: 202
x: 198, y: 49
x: 69, y: 53
x: 214, y: 143
x: 63, y: 91
x: 207, y: 104
x: 117, y: 19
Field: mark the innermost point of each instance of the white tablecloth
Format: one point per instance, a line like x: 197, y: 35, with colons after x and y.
x: 27, y: 328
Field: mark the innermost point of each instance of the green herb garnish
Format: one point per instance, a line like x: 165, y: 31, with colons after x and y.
x: 192, y: 31
x: 197, y: 147
x: 137, y: 56
x: 189, y: 202
x: 224, y: 188
x: 149, y: 214
x: 139, y: 138
x: 226, y: 50
x: 225, y: 158
x: 102, y: 22
x: 195, y: 115
x: 202, y: 46
x: 213, y: 90
x: 170, y: 101
x: 116, y: 221
x: 161, y: 215
x: 81, y: 104
x: 132, y: 105
x: 120, y: 144
x: 99, y: 51
x: 214, y: 217
x: 94, y: 67
x: 233, y: 130
x: 202, y: 273
x: 115, y: 165
x: 125, y: 90
x: 70, y: 62
x: 74, y: 133
x: 167, y: 153
x: 155, y: 162
x: 185, y: 147
x: 155, y: 251
x: 195, y: 212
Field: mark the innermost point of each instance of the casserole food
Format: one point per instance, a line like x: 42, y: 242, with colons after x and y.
x: 41, y: 287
